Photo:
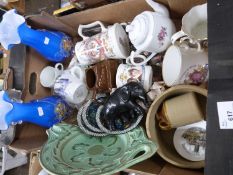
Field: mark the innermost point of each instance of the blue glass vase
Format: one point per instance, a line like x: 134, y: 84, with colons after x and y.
x: 44, y: 112
x: 54, y: 46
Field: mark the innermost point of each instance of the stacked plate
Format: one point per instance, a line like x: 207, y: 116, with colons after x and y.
x: 91, y: 122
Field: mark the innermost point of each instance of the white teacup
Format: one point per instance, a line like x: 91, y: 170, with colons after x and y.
x: 111, y: 42
x: 127, y: 73
x: 184, y: 66
x: 194, y: 26
x: 49, y: 75
x: 71, y: 86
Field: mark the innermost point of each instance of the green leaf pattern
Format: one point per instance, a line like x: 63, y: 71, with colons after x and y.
x: 69, y: 151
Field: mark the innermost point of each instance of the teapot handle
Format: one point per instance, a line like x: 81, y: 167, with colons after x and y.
x: 157, y: 7
x: 96, y: 23
x: 130, y: 59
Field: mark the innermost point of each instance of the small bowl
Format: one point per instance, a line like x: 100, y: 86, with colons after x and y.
x: 164, y: 139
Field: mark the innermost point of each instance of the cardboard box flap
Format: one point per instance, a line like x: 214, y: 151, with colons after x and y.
x: 46, y: 21
x: 34, y: 166
x: 23, y: 74
x: 17, y: 63
x: 29, y: 137
x: 169, y: 169
x: 123, y: 11
x: 151, y: 166
x: 179, y: 7
x: 34, y: 65
x: 8, y: 80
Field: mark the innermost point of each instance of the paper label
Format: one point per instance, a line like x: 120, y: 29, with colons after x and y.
x: 225, y: 114
x: 40, y: 111
x: 46, y: 40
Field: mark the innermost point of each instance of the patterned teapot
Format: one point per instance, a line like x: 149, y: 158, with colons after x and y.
x: 151, y: 31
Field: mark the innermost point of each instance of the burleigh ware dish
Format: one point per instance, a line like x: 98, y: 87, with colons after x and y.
x: 70, y: 151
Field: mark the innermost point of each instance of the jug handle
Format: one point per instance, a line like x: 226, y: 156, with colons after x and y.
x: 177, y: 36
x: 197, y: 43
x: 81, y: 27
x: 130, y: 59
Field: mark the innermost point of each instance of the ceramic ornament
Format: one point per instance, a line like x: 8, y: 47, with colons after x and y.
x: 123, y: 100
x: 190, y: 141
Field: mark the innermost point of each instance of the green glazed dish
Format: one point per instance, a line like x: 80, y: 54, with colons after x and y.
x: 69, y: 151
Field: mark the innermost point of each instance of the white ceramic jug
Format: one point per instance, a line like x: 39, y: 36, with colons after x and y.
x: 194, y: 27
x: 151, y: 31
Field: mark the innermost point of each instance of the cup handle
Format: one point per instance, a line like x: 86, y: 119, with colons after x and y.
x: 77, y: 72
x: 81, y: 27
x: 163, y: 125
x: 130, y: 59
x: 177, y: 35
x: 59, y: 65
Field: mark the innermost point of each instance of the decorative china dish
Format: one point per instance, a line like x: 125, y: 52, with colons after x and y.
x: 69, y: 151
x: 190, y: 141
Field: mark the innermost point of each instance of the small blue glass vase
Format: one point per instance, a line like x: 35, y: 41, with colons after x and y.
x: 54, y: 46
x: 44, y: 112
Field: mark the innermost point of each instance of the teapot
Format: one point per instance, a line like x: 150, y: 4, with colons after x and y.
x: 150, y: 31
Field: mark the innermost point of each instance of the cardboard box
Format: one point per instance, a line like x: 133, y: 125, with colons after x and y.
x: 34, y: 165
x: 30, y: 137
x: 152, y: 166
x: 72, y: 8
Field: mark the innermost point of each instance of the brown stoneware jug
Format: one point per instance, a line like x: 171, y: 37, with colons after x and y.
x: 101, y: 77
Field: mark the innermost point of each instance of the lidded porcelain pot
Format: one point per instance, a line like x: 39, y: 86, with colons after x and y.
x: 151, y: 31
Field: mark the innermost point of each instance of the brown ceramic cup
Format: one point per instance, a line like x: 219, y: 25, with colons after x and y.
x: 179, y: 111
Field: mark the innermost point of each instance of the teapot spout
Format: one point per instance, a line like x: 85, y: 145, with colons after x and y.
x: 158, y: 8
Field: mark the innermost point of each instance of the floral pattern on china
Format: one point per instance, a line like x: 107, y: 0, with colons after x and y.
x: 151, y: 32
x: 111, y: 42
x: 197, y: 74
